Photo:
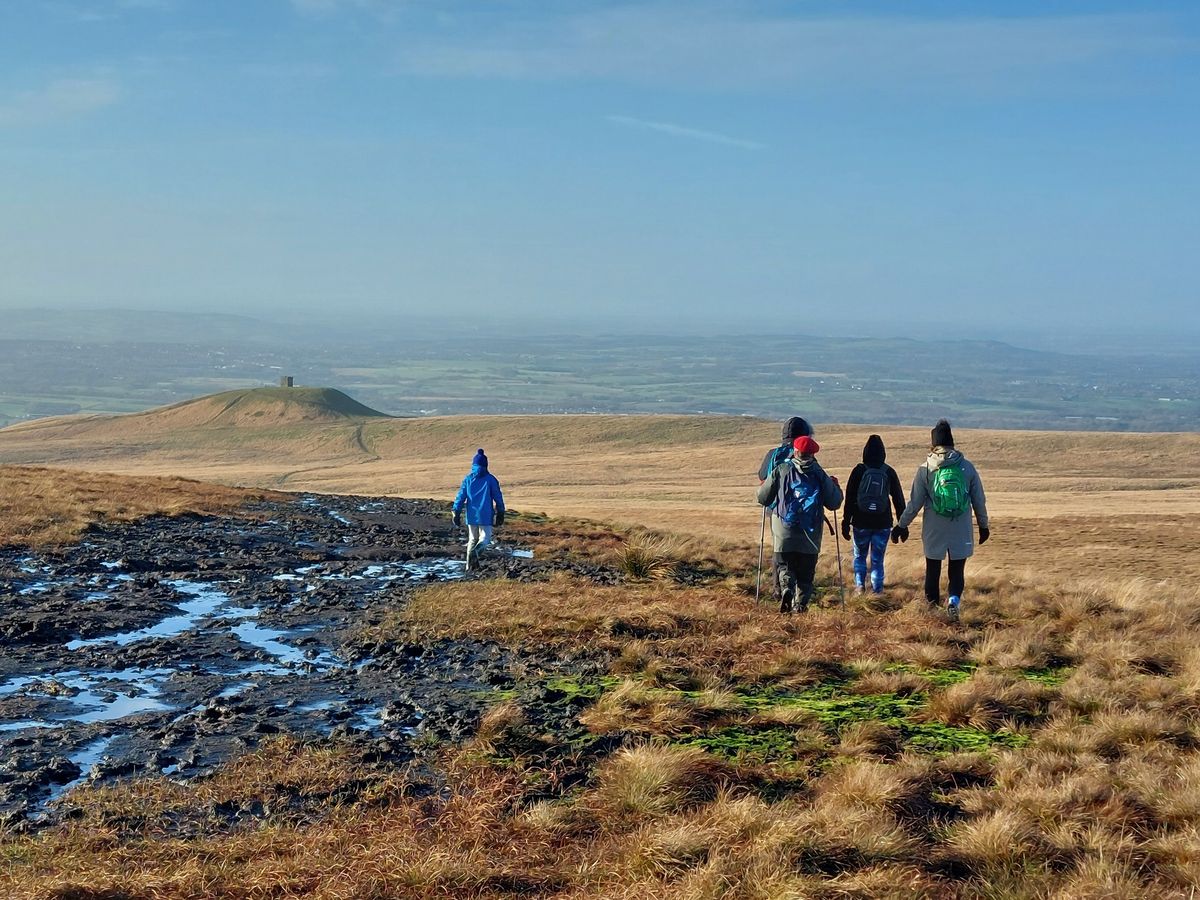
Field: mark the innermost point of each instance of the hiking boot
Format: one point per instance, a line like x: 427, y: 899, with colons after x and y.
x: 785, y: 605
x: 952, y: 608
x: 859, y: 588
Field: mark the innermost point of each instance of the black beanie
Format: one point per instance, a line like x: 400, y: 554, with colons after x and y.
x: 795, y: 427
x: 941, y: 435
x: 874, y: 453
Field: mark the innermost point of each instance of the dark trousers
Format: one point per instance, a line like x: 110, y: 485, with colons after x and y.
x: 794, y: 574
x: 933, y: 578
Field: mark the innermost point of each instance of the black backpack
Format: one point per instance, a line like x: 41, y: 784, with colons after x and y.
x: 873, y: 490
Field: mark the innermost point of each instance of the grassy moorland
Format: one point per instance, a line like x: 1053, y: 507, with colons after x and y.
x: 1045, y: 747
x: 1071, y: 503
x: 1048, y: 746
x: 40, y: 506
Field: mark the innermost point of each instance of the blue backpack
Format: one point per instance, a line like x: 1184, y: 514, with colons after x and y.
x: 799, y: 500
x: 776, y: 457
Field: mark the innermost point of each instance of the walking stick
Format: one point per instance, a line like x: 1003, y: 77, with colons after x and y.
x: 837, y: 539
x: 762, y: 540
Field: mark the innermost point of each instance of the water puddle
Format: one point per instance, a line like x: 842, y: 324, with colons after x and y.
x: 370, y: 719
x: 268, y: 640
x: 432, y: 569
x: 206, y: 600
x: 91, y: 698
x: 86, y: 758
x: 27, y: 724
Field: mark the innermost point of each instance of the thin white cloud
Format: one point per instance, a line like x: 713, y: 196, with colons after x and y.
x: 325, y: 7
x: 62, y: 99
x: 716, y: 43
x: 681, y: 131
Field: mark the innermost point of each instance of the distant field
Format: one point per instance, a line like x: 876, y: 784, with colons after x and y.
x: 1080, y: 504
x: 419, y: 373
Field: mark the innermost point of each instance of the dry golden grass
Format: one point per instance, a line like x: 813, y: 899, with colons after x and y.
x: 1075, y: 504
x: 1060, y: 642
x: 40, y: 506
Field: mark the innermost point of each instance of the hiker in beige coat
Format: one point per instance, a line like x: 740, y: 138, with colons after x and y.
x: 946, y: 490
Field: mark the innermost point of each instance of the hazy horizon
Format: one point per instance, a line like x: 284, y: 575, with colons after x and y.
x: 991, y: 169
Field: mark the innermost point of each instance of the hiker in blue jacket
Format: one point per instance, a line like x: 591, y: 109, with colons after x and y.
x: 870, y: 486
x: 480, y: 494
x: 798, y: 492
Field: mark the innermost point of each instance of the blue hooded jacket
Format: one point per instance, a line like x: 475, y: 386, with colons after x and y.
x: 479, y: 492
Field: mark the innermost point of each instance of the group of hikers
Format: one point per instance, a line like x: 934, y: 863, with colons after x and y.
x: 795, y: 491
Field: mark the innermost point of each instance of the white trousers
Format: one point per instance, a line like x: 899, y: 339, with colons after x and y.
x: 478, y: 537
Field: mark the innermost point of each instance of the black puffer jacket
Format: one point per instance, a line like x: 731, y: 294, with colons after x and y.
x: 793, y: 428
x: 874, y: 455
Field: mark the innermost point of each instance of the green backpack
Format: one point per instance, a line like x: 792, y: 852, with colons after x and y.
x: 949, y: 491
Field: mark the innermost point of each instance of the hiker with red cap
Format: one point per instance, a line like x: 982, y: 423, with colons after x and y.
x: 798, y: 491
x: 480, y: 496
x: 946, y: 490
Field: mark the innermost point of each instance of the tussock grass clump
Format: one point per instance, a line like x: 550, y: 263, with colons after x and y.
x: 656, y: 779
x: 644, y: 557
x: 988, y: 699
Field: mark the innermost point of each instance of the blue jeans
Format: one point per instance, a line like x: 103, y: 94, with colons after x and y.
x: 873, y: 541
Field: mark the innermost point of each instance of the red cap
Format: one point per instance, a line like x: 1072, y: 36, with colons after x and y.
x: 806, y: 446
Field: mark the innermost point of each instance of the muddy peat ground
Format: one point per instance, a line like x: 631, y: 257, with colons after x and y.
x: 169, y: 646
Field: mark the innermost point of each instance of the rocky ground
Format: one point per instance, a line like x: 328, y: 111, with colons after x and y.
x: 171, y: 645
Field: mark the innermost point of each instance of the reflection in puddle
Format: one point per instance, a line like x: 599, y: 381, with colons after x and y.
x: 370, y: 719
x: 207, y: 600
x: 28, y: 723
x: 268, y: 640
x: 86, y: 758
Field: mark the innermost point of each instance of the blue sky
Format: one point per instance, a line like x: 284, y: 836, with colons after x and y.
x: 705, y: 162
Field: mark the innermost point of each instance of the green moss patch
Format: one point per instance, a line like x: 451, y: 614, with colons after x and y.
x: 575, y: 688
x: 755, y: 746
x: 936, y: 738
x: 943, y: 677
x: 1051, y: 677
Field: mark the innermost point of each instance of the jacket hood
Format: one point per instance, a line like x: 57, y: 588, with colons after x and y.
x: 806, y: 464
x: 941, y: 456
x: 795, y: 427
x: 874, y: 453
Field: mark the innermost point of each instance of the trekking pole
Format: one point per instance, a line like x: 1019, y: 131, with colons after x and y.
x: 762, y: 541
x: 837, y: 539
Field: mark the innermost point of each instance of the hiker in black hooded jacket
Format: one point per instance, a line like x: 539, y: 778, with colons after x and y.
x: 871, y: 526
x: 793, y: 428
